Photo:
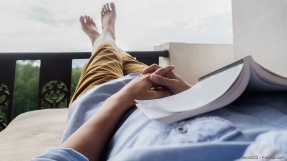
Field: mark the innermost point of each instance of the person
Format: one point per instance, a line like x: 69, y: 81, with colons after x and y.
x: 103, y: 123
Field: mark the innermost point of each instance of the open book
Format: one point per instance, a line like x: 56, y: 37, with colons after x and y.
x: 213, y: 91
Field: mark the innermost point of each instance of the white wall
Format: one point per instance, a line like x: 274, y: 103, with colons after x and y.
x: 260, y: 30
x: 193, y: 61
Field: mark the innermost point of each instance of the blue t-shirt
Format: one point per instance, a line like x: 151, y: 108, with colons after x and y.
x: 219, y: 135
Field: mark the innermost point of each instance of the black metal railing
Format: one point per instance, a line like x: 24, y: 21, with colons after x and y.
x: 55, y: 72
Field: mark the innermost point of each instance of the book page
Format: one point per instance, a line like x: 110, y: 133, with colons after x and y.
x: 264, y: 80
x: 199, y: 95
x: 257, y: 84
x: 153, y: 113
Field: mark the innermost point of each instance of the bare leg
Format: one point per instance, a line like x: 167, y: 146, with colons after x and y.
x: 108, y: 17
x: 89, y: 27
x: 107, y: 59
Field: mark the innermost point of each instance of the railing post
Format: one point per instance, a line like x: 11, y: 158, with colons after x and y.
x: 54, y: 82
x: 7, y: 77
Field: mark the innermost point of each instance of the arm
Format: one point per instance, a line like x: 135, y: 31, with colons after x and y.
x: 91, y: 138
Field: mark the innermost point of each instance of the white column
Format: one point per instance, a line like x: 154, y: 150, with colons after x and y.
x: 260, y: 30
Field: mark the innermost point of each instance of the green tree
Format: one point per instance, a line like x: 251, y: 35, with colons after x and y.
x: 26, y: 88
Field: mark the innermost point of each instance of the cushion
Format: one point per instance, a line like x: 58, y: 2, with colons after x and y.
x: 31, y: 133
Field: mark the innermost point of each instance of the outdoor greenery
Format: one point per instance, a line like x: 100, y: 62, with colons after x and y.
x: 26, y: 87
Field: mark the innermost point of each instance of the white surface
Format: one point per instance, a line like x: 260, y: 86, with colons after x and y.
x: 153, y: 113
x: 260, y: 30
x: 53, y: 25
x: 199, y: 59
x: 199, y: 95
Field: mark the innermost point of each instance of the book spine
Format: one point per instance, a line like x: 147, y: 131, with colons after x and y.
x: 221, y: 70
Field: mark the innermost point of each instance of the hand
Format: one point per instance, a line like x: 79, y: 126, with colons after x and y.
x: 166, y: 77
x: 151, y: 69
x: 140, y: 89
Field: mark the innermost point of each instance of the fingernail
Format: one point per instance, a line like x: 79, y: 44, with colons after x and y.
x: 153, y: 77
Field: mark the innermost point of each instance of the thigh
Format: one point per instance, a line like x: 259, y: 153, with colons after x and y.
x: 131, y: 65
x: 104, y: 65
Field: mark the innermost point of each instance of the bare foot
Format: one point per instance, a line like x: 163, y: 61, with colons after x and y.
x: 89, y: 27
x: 108, y: 16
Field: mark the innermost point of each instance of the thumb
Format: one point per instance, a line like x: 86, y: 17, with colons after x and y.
x: 160, y: 80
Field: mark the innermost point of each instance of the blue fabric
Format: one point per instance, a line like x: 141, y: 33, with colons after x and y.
x: 268, y: 146
x: 60, y: 154
x: 219, y: 135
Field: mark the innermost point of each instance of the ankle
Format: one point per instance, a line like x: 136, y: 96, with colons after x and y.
x: 94, y: 38
x: 109, y: 32
x: 109, y: 29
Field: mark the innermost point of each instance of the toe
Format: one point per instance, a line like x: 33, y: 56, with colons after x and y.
x: 93, y: 22
x: 88, y: 20
x: 104, y: 10
x: 82, y: 19
x: 108, y: 6
x: 113, y: 6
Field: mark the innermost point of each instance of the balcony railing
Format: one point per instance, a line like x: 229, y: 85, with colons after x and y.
x: 55, y: 69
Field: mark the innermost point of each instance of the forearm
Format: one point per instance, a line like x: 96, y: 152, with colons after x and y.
x: 92, y: 137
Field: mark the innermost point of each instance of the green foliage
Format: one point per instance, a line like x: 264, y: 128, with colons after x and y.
x: 26, y: 88
x: 76, y: 73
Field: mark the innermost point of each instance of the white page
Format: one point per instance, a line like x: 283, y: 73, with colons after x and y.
x: 153, y: 113
x: 199, y: 95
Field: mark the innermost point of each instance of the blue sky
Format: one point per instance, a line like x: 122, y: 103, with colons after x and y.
x: 52, y: 25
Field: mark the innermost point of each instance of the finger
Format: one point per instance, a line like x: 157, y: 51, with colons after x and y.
x: 163, y: 71
x: 160, y: 80
x: 171, y: 74
x: 157, y: 88
x: 146, y: 77
x: 150, y: 69
x: 160, y: 93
